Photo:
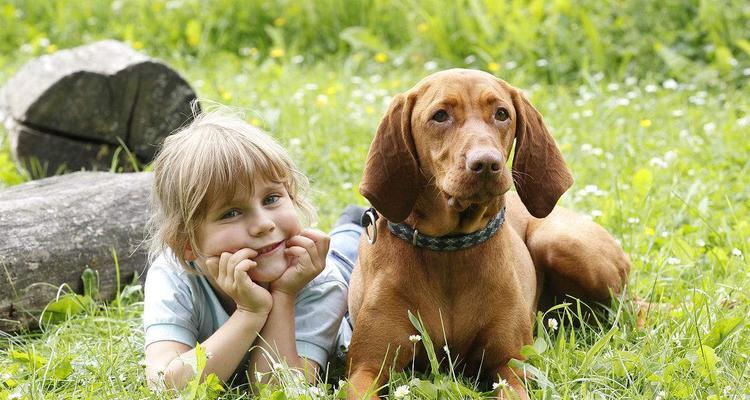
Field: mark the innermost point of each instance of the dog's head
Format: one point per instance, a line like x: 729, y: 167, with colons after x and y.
x: 444, y: 145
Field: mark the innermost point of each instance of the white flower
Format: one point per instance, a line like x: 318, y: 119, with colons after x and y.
x: 315, y: 392
x: 298, y: 59
x: 670, y: 84
x: 596, y: 213
x: 613, y: 87
x: 630, y: 81
x: 587, y: 113
x: 346, y: 185
x: 673, y: 260
x: 277, y: 366
x: 678, y: 113
x: 660, y: 395
x: 513, y: 64
x: 700, y: 243
x: 414, y: 338
x: 746, y: 72
x: 430, y: 65
x: 401, y: 392
x: 727, y: 390
x: 470, y: 59
x: 651, y: 88
x: 542, y: 62
x: 670, y: 156
x: 552, y: 324
x: 634, y: 220
x: 447, y: 350
x: 736, y: 252
x: 499, y: 384
x: 258, y: 376
x: 709, y: 127
x: 743, y: 122
x: 658, y: 162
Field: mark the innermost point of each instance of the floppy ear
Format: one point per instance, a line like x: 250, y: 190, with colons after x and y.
x: 392, y: 179
x: 541, y: 175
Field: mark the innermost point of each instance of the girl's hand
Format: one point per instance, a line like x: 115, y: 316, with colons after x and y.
x: 308, y: 251
x: 229, y: 271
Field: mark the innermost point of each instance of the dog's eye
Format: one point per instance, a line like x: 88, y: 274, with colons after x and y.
x: 440, y: 116
x: 501, y: 114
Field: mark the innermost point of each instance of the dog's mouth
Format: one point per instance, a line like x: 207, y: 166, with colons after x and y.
x: 461, y: 204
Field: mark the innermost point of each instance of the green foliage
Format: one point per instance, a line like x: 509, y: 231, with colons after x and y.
x: 648, y: 101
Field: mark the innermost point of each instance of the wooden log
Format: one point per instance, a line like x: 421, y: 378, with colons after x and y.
x: 53, y: 228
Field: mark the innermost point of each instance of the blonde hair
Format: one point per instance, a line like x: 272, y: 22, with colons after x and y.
x: 212, y: 158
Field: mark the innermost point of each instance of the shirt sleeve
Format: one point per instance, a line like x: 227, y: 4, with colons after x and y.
x: 319, y: 308
x: 168, y: 309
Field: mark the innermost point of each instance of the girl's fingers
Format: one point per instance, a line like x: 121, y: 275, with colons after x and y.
x: 212, y: 267
x: 302, y: 255
x: 309, y: 245
x: 322, y: 240
x: 242, y: 254
x: 240, y: 271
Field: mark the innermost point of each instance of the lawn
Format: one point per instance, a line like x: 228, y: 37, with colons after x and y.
x: 648, y: 101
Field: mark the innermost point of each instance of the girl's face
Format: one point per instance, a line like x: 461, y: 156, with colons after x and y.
x: 263, y: 221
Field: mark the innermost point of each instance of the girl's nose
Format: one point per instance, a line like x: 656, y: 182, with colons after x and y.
x: 261, y: 225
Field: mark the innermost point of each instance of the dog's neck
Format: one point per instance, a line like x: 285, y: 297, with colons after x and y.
x: 442, y: 219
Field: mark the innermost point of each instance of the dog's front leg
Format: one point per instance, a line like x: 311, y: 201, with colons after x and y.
x: 379, y: 343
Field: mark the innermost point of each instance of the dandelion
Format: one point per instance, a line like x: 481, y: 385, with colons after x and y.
x: 277, y: 53
x: 280, y: 21
x: 415, y: 338
x: 255, y: 122
x: 737, y: 252
x: 645, y: 123
x: 501, y: 383
x: 552, y: 324
x: 381, y: 58
x: 422, y: 27
x: 493, y: 67
x: 401, y: 392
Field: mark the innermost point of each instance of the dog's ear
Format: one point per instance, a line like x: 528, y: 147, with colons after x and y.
x: 392, y: 178
x: 540, y: 173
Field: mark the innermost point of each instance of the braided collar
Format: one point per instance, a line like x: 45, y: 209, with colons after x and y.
x: 450, y: 242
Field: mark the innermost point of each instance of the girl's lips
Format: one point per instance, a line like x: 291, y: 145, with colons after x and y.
x: 264, y: 251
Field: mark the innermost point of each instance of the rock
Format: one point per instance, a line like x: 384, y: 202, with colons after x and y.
x: 54, y: 228
x: 93, y: 98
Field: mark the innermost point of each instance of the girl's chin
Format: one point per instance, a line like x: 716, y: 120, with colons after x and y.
x: 268, y: 273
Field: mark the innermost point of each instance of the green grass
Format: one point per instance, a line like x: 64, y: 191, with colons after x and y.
x: 662, y: 164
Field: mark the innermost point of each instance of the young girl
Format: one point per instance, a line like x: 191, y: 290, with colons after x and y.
x: 232, y: 267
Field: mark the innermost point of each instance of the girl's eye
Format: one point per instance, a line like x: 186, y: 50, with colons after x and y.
x: 271, y: 199
x: 440, y: 116
x: 501, y: 114
x: 230, y: 214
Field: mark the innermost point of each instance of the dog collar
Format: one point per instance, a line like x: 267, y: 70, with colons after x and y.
x: 450, y: 242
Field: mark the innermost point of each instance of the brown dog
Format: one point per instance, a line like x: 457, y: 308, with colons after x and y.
x: 437, y: 166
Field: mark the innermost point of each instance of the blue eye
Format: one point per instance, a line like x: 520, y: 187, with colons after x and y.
x: 230, y: 214
x: 271, y: 199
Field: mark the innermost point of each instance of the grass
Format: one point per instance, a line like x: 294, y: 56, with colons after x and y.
x: 658, y: 150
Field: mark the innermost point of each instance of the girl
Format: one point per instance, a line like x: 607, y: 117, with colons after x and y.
x: 232, y: 266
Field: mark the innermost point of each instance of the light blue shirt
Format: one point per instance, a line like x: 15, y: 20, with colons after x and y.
x: 181, y: 306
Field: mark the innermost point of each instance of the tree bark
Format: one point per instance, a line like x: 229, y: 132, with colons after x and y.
x: 52, y: 229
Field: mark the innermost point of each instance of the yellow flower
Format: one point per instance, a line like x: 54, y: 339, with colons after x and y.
x: 225, y: 95
x: 137, y: 45
x: 369, y: 109
x: 493, y: 67
x: 649, y: 231
x: 645, y: 123
x: 321, y: 100
x: 331, y: 90
x: 422, y: 27
x: 381, y: 57
x: 277, y: 53
x: 255, y: 122
x: 51, y: 49
x: 281, y: 21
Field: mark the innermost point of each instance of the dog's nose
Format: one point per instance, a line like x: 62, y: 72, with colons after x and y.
x: 484, y: 161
